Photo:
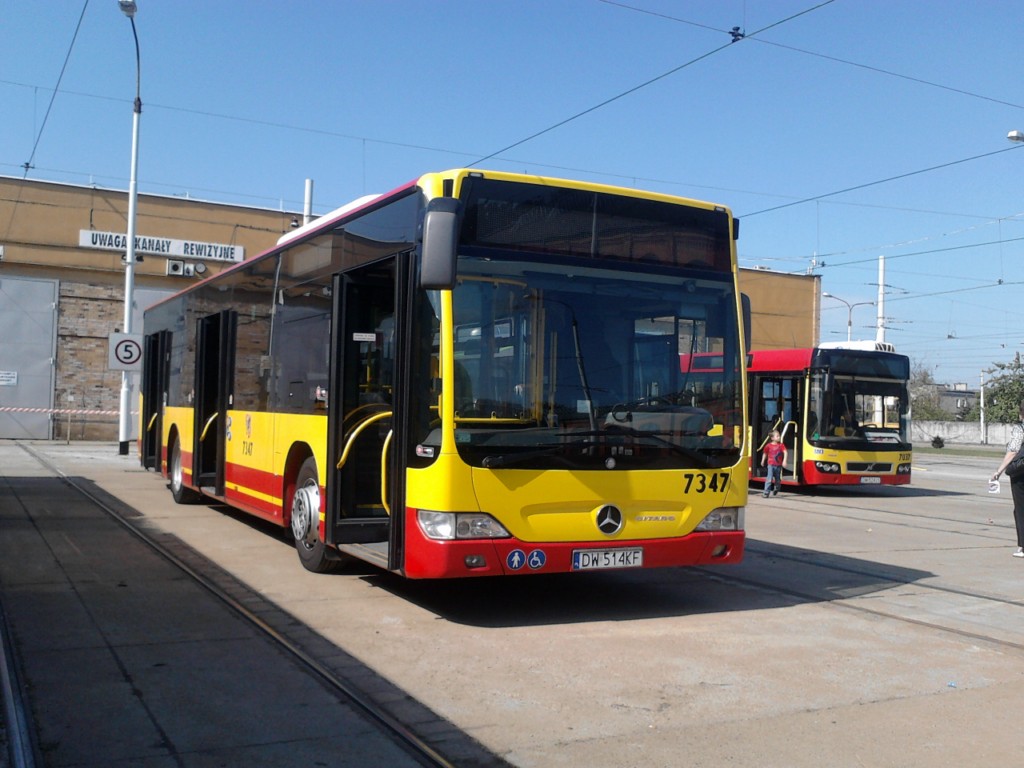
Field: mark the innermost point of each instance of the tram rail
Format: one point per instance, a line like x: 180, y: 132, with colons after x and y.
x: 197, y: 569
x: 883, y: 606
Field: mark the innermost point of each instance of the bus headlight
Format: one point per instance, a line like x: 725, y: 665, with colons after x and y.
x: 724, y: 519
x: 903, y: 469
x: 827, y: 466
x: 448, y: 526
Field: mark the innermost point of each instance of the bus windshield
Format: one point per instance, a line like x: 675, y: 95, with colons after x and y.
x: 848, y: 407
x: 566, y: 364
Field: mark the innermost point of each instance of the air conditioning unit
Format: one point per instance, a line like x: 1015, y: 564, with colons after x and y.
x: 175, y: 267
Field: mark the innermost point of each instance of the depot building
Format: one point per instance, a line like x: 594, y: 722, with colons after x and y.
x: 62, y: 295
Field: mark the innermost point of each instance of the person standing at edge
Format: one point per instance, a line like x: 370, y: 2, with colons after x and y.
x: 1016, y: 483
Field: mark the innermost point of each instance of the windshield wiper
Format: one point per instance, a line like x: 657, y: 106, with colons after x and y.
x: 510, y: 459
x: 699, y: 420
x: 682, y: 450
x: 506, y: 460
x: 624, y: 411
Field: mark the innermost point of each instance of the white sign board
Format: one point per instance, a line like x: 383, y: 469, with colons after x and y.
x: 125, y: 352
x: 8, y: 378
x: 161, y: 246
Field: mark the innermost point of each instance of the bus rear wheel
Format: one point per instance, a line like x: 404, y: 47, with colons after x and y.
x: 305, y: 521
x: 179, y: 492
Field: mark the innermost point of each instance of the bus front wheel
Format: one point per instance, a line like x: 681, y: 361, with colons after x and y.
x: 305, y: 521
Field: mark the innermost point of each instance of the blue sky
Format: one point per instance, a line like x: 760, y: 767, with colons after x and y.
x: 838, y: 131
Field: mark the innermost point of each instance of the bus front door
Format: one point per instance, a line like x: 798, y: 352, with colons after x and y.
x: 156, y: 375
x: 775, y: 407
x: 360, y: 411
x: 215, y: 365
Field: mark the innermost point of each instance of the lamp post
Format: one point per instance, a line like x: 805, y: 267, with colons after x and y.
x: 849, y: 316
x: 128, y: 7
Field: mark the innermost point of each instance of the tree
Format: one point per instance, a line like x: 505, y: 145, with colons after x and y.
x: 1005, y: 391
x: 924, y: 394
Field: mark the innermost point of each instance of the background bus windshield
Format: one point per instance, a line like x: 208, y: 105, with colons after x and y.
x: 859, y: 397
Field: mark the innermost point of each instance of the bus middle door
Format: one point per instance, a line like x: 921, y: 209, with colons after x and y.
x: 215, y: 366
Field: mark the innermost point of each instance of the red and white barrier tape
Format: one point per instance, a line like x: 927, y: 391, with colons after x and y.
x: 62, y: 411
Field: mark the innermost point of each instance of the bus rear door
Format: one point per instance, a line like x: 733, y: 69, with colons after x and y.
x: 156, y: 373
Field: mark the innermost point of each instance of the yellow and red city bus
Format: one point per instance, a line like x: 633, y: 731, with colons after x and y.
x: 474, y: 374
x: 843, y: 413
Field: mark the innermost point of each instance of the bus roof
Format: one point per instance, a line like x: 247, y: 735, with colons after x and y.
x: 432, y: 185
x: 801, y: 359
x: 334, y: 215
x: 864, y: 344
x: 780, y: 359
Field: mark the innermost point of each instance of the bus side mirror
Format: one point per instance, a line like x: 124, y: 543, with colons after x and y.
x: 439, y: 245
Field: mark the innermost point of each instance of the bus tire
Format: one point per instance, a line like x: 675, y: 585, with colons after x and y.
x: 179, y: 492
x: 305, y: 521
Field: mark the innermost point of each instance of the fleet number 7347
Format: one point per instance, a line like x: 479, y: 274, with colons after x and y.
x: 700, y: 482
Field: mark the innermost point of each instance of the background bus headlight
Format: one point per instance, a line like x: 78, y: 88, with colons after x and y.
x: 724, y: 519
x: 448, y: 526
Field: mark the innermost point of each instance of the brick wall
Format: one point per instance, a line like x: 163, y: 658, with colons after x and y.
x: 87, y: 313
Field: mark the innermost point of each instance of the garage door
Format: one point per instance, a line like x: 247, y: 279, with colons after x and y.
x: 28, y: 348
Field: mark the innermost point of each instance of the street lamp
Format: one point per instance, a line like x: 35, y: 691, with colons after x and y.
x: 849, y: 316
x: 128, y: 7
x: 1015, y: 136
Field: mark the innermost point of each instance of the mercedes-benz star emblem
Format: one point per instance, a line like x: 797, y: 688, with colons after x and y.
x: 609, y: 520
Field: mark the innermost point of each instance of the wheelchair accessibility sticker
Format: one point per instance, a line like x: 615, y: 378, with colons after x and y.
x: 516, y: 559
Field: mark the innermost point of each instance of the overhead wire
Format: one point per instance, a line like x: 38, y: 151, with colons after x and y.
x: 625, y: 93
x: 56, y: 89
x: 825, y: 196
x: 930, y: 251
x: 650, y: 81
x: 625, y: 6
x: 827, y: 57
x: 27, y: 166
x: 906, y: 175
x: 736, y: 37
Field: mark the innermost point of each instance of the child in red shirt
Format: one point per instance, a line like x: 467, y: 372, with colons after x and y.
x: 773, y: 456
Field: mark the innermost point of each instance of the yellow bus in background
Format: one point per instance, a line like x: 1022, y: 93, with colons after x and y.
x: 843, y: 411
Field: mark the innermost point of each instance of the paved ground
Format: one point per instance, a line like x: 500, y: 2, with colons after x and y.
x: 864, y: 628
x: 128, y: 663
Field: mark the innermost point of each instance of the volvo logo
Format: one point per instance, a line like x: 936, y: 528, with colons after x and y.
x: 609, y: 520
